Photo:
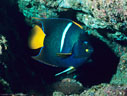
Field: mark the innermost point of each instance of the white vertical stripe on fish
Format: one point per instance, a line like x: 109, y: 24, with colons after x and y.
x: 64, y: 34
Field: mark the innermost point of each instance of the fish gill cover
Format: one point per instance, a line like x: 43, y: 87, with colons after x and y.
x: 105, y: 23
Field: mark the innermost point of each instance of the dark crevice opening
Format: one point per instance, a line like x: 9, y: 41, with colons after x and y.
x: 70, y: 14
x: 103, y: 66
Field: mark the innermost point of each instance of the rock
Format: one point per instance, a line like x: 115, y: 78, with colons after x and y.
x: 68, y: 86
x: 58, y: 94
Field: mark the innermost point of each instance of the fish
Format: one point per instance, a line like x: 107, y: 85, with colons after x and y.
x: 61, y: 43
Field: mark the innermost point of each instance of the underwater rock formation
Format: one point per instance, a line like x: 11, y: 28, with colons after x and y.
x: 4, y: 85
x: 120, y: 77
x: 101, y: 90
x: 3, y: 44
x: 103, y: 19
x: 102, y: 12
x: 106, y: 90
x: 68, y: 86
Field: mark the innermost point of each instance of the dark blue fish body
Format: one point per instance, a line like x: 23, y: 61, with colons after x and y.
x: 65, y: 44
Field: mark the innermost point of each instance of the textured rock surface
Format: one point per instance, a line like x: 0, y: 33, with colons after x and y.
x: 68, y: 86
x: 101, y: 90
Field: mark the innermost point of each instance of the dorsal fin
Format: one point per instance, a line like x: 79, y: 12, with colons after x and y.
x: 77, y: 24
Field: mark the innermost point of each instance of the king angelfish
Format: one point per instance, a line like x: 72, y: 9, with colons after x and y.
x: 61, y: 43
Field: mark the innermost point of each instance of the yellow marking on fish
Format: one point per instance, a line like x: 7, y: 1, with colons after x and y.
x: 66, y: 70
x: 36, y: 38
x: 36, y: 18
x: 87, y: 50
x: 77, y: 24
x: 71, y: 67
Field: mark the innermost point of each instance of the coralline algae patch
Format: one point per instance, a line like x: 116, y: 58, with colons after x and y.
x: 107, y: 12
x: 120, y: 77
x: 36, y: 8
x: 106, y: 90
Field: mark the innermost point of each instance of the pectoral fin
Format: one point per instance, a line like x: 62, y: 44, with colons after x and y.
x: 68, y: 70
x: 63, y: 54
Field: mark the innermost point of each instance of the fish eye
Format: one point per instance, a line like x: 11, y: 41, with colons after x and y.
x: 87, y: 50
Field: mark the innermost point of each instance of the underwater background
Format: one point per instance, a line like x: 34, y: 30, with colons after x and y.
x: 104, y: 21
